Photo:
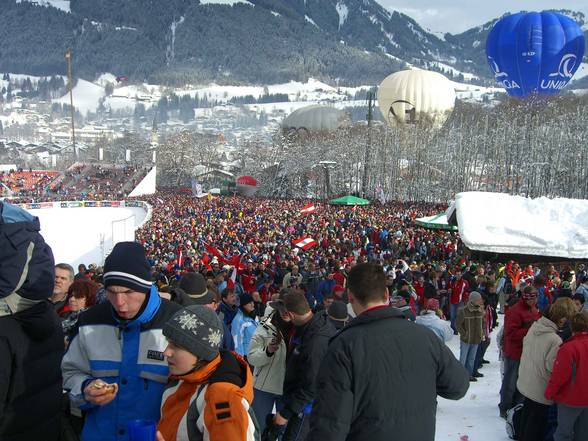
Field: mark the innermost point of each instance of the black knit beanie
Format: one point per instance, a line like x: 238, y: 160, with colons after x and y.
x: 127, y: 266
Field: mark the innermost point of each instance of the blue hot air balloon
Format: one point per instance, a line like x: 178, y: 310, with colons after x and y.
x: 535, y: 52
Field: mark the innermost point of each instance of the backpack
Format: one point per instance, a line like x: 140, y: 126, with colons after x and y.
x: 513, y: 421
x: 508, y: 289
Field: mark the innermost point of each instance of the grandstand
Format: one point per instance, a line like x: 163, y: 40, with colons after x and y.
x: 32, y: 183
x: 80, y: 181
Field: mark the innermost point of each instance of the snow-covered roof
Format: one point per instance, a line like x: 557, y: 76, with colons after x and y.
x: 505, y: 224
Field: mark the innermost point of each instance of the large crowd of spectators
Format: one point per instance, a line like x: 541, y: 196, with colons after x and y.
x: 80, y: 182
x: 255, y: 300
x: 26, y: 183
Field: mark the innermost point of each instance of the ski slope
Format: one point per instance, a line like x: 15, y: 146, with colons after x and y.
x: 85, y: 235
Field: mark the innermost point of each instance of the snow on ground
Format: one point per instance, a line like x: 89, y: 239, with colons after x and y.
x: 106, y: 78
x: 476, y: 414
x: 312, y: 89
x: 14, y: 118
x: 86, y: 96
x: 75, y: 234
x: 224, y: 2
x: 34, y: 79
x: 343, y: 12
x: 452, y: 70
x: 310, y: 20
x: 59, y: 4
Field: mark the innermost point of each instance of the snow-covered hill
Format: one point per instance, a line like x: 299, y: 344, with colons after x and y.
x: 59, y: 4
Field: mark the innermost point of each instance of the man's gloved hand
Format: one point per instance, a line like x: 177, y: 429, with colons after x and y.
x: 272, y: 431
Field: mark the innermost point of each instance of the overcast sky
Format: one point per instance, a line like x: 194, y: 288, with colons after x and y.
x: 459, y: 15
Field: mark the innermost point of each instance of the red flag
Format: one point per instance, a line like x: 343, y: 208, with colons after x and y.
x: 233, y: 261
x: 304, y: 243
x: 180, y: 258
x: 215, y: 252
x: 310, y: 208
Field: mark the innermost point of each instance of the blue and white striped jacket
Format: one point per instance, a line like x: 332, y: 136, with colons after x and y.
x: 127, y: 353
x: 242, y: 329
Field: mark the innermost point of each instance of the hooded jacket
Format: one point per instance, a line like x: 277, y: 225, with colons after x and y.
x: 31, y: 347
x: 129, y: 353
x: 380, y: 379
x: 470, y: 323
x: 242, y: 329
x: 441, y: 328
x: 540, y: 347
x: 517, y: 321
x: 26, y: 275
x: 212, y: 403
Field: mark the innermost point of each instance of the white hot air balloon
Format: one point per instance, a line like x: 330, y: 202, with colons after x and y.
x: 410, y: 96
x: 315, y: 118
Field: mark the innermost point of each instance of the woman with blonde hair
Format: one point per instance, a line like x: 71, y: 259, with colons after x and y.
x: 540, y: 347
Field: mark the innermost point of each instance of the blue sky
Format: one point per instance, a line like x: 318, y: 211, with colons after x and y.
x: 458, y: 15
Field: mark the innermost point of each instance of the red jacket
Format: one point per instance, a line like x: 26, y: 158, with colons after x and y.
x: 568, y: 384
x: 459, y: 291
x: 517, y: 322
x: 419, y: 289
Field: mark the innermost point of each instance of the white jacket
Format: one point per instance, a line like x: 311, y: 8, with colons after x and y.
x: 438, y: 326
x: 540, y: 347
x: 269, y: 372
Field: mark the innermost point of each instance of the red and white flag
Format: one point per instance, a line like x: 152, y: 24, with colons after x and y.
x: 310, y: 208
x: 233, y: 279
x: 304, y: 243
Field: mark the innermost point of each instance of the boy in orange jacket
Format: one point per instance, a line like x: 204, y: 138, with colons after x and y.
x: 213, y: 391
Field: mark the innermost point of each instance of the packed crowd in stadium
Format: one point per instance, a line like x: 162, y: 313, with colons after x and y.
x: 265, y: 307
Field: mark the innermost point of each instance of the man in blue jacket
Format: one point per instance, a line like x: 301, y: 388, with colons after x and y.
x: 114, y: 368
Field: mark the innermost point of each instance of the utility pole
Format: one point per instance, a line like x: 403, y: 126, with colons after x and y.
x: 368, y: 147
x: 70, y: 82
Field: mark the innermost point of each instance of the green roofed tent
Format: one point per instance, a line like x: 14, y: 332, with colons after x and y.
x: 349, y: 200
x: 437, y: 222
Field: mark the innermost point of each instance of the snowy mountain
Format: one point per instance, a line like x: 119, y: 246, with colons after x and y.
x: 231, y: 41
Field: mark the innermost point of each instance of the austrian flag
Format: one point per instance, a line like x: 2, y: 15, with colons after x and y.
x: 304, y: 243
x: 310, y: 208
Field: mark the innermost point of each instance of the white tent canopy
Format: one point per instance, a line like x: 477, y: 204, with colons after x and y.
x: 500, y: 223
x: 439, y: 222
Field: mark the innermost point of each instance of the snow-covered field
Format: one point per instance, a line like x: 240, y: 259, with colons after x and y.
x: 476, y: 414
x: 84, y: 235
x: 87, y: 95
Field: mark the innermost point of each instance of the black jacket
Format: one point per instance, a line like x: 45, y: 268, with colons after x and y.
x: 307, y: 349
x: 31, y: 347
x: 380, y: 380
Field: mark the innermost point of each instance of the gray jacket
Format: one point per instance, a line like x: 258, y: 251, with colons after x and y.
x: 540, y: 347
